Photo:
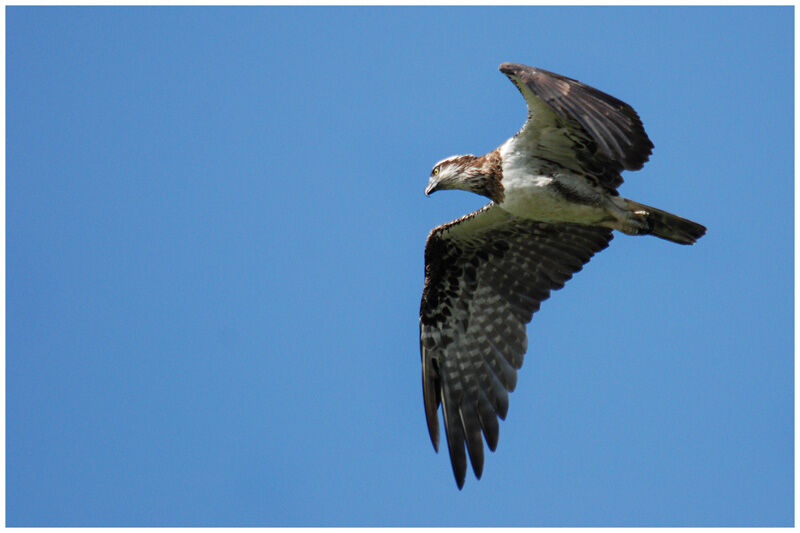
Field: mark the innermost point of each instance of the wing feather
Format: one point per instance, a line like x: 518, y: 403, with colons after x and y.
x: 488, y: 419
x: 474, y: 436
x: 578, y: 126
x: 485, y: 276
x: 431, y: 396
x: 455, y: 437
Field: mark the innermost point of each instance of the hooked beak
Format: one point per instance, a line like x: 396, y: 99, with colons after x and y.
x: 432, y: 187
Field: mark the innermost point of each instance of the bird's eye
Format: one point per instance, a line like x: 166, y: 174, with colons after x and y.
x: 435, y: 171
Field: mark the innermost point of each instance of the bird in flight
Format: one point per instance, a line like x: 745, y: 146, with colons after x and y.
x: 553, y: 204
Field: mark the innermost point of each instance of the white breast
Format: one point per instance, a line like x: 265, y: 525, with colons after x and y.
x: 530, y: 193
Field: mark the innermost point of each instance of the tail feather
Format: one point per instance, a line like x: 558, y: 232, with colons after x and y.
x: 668, y: 226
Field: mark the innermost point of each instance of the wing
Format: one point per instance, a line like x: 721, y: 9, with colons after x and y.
x: 485, y: 276
x: 579, y: 127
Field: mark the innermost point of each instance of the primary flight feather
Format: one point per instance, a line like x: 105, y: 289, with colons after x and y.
x: 553, y: 205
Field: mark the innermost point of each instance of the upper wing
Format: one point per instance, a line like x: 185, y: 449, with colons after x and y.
x: 485, y: 275
x: 578, y: 126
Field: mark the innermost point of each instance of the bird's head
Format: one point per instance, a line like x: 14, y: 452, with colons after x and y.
x: 451, y: 173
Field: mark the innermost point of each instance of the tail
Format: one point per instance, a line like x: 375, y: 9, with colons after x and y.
x: 666, y: 225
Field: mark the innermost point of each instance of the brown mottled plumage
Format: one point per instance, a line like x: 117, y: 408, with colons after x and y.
x: 491, y: 167
x: 553, y: 205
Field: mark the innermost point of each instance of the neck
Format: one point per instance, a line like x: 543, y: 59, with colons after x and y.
x: 486, y: 176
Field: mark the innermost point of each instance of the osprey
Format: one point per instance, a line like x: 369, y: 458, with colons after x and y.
x: 554, y: 204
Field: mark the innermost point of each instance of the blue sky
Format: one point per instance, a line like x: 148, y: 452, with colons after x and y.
x: 215, y: 227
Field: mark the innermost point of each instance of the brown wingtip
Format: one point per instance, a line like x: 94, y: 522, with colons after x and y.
x: 509, y: 68
x: 460, y: 481
x: 431, y: 397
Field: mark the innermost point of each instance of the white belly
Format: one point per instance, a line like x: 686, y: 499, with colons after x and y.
x: 562, y: 197
x: 537, y: 198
